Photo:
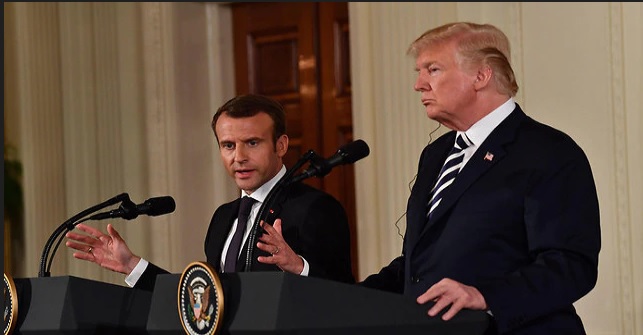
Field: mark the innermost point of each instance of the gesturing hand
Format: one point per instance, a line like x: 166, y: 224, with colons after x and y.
x: 109, y: 251
x: 282, y: 255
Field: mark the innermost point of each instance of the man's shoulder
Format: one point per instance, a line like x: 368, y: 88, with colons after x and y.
x: 299, y: 189
x: 305, y: 195
x: 544, y: 137
x: 227, y: 207
x: 302, y: 198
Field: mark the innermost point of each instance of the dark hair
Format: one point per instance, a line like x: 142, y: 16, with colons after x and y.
x: 248, y: 105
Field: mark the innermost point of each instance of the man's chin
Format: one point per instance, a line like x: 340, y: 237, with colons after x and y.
x: 246, y: 185
x: 432, y: 114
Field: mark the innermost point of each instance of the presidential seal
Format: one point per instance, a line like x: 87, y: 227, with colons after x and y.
x: 200, y: 300
x: 10, y: 305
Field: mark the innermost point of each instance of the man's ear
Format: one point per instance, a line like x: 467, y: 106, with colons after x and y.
x: 282, y: 145
x: 483, y: 77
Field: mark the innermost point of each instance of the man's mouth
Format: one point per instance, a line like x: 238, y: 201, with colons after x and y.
x: 243, y: 173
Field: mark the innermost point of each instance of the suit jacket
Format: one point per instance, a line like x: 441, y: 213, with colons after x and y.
x: 521, y: 224
x: 314, y: 224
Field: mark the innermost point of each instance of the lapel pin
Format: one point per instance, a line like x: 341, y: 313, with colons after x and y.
x: 488, y: 156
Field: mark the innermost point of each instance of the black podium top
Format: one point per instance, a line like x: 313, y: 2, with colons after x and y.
x: 72, y: 305
x: 283, y: 303
x: 254, y: 303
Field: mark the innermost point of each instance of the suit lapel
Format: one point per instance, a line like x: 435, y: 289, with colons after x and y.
x: 479, y: 163
x: 221, y: 230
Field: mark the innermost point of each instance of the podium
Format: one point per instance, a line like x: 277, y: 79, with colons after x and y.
x: 254, y: 303
x: 72, y: 305
x: 283, y: 303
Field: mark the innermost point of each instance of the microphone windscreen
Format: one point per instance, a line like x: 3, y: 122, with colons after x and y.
x: 355, y: 151
x: 159, y: 206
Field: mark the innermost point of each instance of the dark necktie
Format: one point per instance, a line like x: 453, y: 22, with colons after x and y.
x: 233, y: 250
x: 449, y: 170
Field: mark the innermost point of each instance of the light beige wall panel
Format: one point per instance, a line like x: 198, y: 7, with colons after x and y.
x: 133, y: 127
x: 195, y: 154
x: 38, y: 103
x: 633, y: 95
x: 568, y: 82
x: 80, y: 119
x: 162, y: 130
x: 362, y: 78
x: 104, y: 137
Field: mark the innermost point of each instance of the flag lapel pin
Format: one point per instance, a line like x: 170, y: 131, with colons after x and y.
x: 488, y: 156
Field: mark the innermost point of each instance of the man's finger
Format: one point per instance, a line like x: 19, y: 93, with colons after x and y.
x: 277, y: 226
x: 453, y: 310
x: 439, y: 305
x: 112, y: 232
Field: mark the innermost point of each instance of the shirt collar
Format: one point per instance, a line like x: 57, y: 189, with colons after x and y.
x: 261, y: 193
x: 480, y: 130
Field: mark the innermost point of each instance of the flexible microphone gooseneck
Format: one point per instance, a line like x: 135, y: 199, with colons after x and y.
x: 69, y: 225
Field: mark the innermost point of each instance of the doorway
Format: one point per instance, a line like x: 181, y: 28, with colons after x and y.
x: 298, y: 54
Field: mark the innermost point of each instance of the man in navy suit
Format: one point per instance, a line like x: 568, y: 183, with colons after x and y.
x: 308, y: 232
x: 512, y: 228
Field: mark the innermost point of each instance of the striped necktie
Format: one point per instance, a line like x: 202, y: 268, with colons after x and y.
x: 449, y: 170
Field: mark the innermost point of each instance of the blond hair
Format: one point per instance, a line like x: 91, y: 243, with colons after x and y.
x: 476, y: 44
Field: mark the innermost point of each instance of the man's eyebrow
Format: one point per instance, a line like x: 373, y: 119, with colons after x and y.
x: 425, y: 65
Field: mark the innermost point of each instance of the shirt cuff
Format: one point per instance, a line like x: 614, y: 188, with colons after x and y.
x: 306, y: 269
x: 136, y: 273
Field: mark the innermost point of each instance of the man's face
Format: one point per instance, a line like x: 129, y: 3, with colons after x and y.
x: 447, y: 90
x: 247, y: 149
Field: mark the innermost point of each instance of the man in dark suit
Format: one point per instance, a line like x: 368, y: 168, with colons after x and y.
x: 310, y: 235
x: 512, y: 226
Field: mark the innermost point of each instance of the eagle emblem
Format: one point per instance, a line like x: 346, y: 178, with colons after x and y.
x: 199, y: 292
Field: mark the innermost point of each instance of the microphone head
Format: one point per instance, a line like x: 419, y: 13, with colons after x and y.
x: 354, y: 151
x: 158, y: 206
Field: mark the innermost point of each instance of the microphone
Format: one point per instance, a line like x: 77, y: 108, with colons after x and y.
x: 128, y: 210
x: 347, y: 154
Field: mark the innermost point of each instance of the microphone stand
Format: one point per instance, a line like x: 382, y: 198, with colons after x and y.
x: 270, y: 199
x: 69, y: 225
x: 316, y: 161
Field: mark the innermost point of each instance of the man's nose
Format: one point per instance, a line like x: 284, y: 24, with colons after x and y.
x: 417, y: 85
x: 240, y: 154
